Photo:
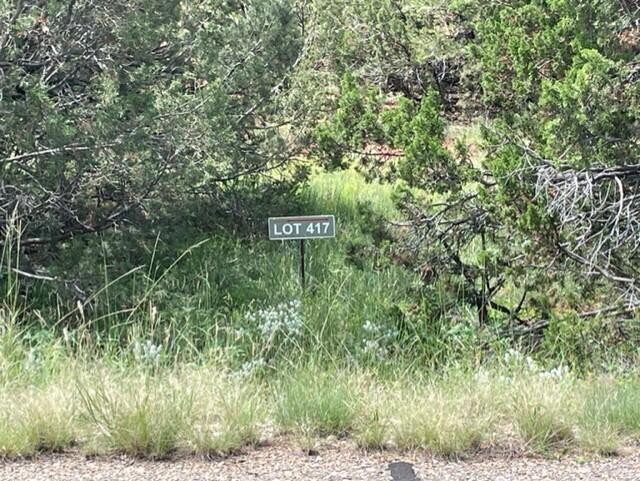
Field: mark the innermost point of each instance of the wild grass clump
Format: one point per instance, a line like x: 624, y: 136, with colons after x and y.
x: 204, y: 411
x: 36, y: 420
x: 450, y: 415
x: 138, y: 416
x: 542, y: 411
x: 316, y: 402
x: 622, y: 408
x: 442, y: 416
x: 609, y: 413
x: 595, y: 430
x: 228, y: 413
x: 372, y: 424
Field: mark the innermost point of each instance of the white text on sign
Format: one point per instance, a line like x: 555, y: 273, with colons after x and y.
x: 302, y: 227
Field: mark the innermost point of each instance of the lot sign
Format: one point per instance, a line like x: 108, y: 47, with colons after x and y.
x: 302, y: 227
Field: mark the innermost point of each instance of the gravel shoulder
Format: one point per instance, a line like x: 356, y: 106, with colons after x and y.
x: 333, y: 463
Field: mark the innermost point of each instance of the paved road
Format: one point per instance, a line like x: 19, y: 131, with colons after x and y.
x: 335, y: 463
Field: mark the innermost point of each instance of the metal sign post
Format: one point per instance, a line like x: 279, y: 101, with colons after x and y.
x: 302, y: 228
x: 302, y: 263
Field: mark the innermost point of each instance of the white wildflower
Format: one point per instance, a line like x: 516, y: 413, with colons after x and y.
x: 284, y: 318
x: 556, y: 373
x: 147, y: 352
x: 377, y: 339
x: 249, y: 367
x: 33, y: 361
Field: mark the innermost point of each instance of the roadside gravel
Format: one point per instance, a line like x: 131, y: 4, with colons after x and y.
x: 333, y: 463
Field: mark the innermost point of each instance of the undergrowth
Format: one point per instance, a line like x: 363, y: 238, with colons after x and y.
x: 208, y: 347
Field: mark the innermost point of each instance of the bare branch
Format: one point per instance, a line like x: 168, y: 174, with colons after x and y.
x: 56, y: 151
x: 17, y: 12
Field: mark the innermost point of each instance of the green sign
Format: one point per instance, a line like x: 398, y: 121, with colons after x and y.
x: 302, y: 227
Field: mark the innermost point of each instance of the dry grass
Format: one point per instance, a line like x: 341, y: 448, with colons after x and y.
x: 210, y: 411
x: 36, y: 419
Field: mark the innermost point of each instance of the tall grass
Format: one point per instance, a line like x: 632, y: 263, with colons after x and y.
x: 311, y: 401
x: 37, y: 419
x: 197, y: 298
x: 101, y: 408
x: 346, y: 192
x: 217, y: 348
x: 192, y: 295
x: 542, y: 413
x: 446, y: 417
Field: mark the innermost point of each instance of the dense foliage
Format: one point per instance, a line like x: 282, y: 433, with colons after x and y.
x: 509, y: 133
x: 114, y: 110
